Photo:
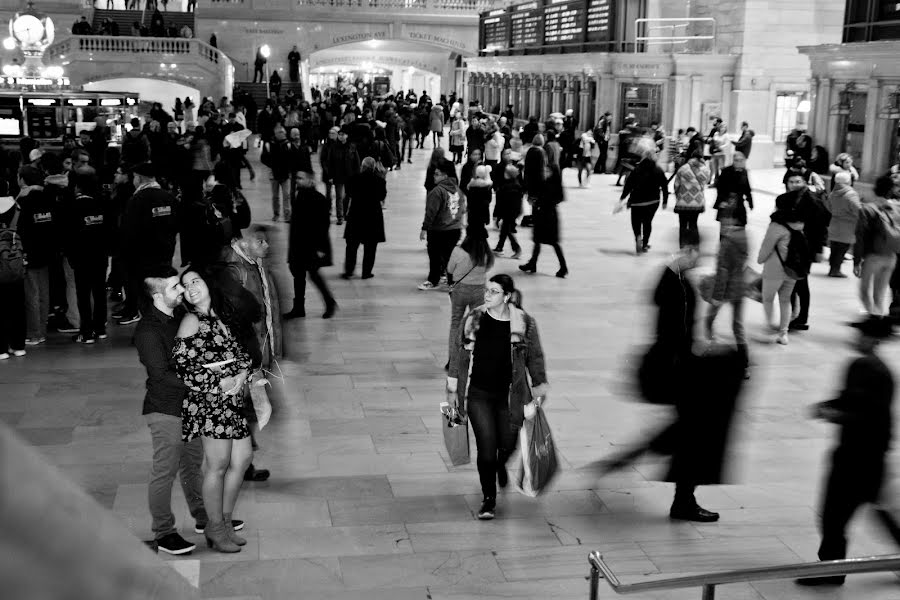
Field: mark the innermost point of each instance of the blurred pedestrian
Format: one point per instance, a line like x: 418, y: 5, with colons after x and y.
x: 843, y: 203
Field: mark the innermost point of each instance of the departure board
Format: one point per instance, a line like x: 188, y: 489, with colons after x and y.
x: 564, y: 22
x: 526, y: 25
x: 495, y: 30
x: 599, y: 20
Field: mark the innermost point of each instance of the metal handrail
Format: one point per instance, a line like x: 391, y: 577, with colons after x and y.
x: 671, y: 39
x: 709, y: 581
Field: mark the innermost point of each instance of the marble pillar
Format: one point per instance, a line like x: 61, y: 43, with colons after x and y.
x: 696, y: 83
x: 822, y: 108
x: 730, y: 119
x: 681, y: 114
x: 570, y: 94
x: 584, y: 106
x: 470, y: 88
x: 869, y: 156
x: 504, y: 93
x: 546, y: 91
x: 557, y: 83
x: 534, y: 90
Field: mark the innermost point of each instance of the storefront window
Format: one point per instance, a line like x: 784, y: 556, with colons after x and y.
x: 785, y: 115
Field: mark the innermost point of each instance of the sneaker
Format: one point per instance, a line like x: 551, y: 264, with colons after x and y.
x: 486, y: 512
x: 426, y: 285
x: 66, y: 327
x: 236, y: 524
x: 101, y: 335
x: 516, y: 255
x: 83, y: 339
x: 129, y: 319
x: 35, y: 341
x: 782, y: 338
x: 4, y: 355
x: 174, y: 544
x: 18, y: 353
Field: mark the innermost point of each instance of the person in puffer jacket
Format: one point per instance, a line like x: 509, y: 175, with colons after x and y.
x: 445, y: 208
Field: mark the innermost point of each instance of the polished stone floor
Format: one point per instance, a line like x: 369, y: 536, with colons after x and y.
x: 363, y: 502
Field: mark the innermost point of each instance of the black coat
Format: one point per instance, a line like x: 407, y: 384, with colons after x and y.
x: 544, y: 213
x: 309, y: 230
x: 365, y: 219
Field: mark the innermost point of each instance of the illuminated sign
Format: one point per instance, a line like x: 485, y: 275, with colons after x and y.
x: 110, y: 102
x: 130, y: 101
x: 36, y: 81
x: 10, y: 126
x: 43, y: 101
x: 79, y: 102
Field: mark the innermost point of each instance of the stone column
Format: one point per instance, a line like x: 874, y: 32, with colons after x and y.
x: 557, y: 83
x: 522, y: 97
x: 822, y: 108
x: 584, y: 106
x: 514, y: 94
x: 534, y: 92
x: 570, y: 93
x: 811, y: 128
x: 546, y: 82
x: 504, y: 92
x: 599, y: 109
x: 489, y: 94
x: 696, y: 81
x: 727, y: 85
x: 495, y: 89
x: 680, y: 116
x: 869, y: 156
x: 470, y: 88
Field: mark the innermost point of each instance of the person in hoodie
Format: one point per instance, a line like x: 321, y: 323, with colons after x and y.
x: 478, y: 196
x: 39, y: 231
x: 772, y: 252
x: 445, y: 209
x: 309, y: 247
x: 87, y: 223
x: 509, y: 207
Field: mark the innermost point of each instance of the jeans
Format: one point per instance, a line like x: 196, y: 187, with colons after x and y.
x: 495, y: 436
x: 12, y: 316
x: 508, y: 230
x: 172, y: 456
x: 687, y: 222
x: 642, y: 221
x: 37, y: 302
x: 800, y: 296
x: 284, y: 186
x: 258, y: 71
x: 299, y: 272
x: 584, y: 164
x: 836, y: 258
x: 406, y: 147
x: 90, y: 283
x: 71, y: 295
x: 783, y: 287
x: 737, y: 321
x: 368, y: 263
x: 440, y: 245
x: 874, y: 281
x: 464, y: 297
x: 340, y: 207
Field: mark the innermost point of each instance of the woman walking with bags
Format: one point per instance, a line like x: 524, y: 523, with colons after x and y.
x: 214, y: 367
x: 690, y: 182
x: 501, y: 351
x: 466, y: 274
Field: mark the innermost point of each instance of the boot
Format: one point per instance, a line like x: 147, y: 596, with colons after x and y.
x: 229, y: 531
x: 638, y: 245
x: 217, y: 538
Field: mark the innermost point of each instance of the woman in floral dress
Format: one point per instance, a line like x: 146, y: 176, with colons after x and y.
x: 214, y: 367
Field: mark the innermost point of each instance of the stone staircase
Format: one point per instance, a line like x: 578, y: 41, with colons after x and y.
x: 258, y: 90
x: 125, y: 19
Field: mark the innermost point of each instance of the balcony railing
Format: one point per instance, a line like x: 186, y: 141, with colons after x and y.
x: 455, y: 6
x: 135, y: 45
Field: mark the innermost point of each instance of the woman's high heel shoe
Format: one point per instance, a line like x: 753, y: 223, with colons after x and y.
x: 217, y: 538
x: 229, y: 531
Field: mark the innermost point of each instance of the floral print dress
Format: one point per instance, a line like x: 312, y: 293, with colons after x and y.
x: 206, y: 410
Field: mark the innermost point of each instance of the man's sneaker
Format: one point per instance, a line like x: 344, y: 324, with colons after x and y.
x: 4, y: 355
x: 174, y: 544
x: 426, y: 285
x: 83, y: 339
x: 486, y: 512
x: 129, y: 319
x: 101, y: 335
x: 35, y: 341
x: 66, y: 327
x: 236, y: 524
x: 18, y: 353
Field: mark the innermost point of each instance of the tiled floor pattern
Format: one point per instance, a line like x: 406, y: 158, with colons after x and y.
x: 363, y: 502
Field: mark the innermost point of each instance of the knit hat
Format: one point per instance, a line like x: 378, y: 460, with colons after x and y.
x: 34, y: 155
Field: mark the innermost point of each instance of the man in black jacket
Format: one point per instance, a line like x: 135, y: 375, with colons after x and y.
x: 308, y: 245
x: 39, y: 226
x: 276, y: 155
x: 733, y: 190
x: 148, y: 235
x: 154, y: 339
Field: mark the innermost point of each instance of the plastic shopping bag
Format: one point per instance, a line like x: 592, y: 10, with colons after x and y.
x: 538, y: 455
x: 456, y: 434
x: 260, y: 398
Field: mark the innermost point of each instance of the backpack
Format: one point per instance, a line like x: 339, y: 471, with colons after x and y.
x: 796, y: 264
x: 888, y: 239
x: 12, y: 255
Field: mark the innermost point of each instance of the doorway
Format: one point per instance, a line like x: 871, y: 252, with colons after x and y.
x: 643, y: 101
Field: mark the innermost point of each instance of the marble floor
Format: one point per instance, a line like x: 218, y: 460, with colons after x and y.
x: 363, y: 501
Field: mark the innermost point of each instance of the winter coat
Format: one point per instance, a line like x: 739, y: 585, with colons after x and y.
x: 745, y: 143
x: 365, y: 218
x: 436, y: 119
x: 778, y: 237
x: 643, y: 186
x: 444, y: 207
x: 734, y: 185
x: 478, y: 200
x: 729, y: 284
x: 308, y: 234
x: 690, y: 182
x: 86, y: 225
x: 843, y: 202
x: 341, y: 163
x: 277, y: 156
x: 527, y: 362
x: 869, y: 229
x: 149, y: 227
x: 39, y: 226
x: 509, y: 199
x: 544, y: 212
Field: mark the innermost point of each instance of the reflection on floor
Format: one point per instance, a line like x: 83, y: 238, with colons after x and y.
x: 363, y: 501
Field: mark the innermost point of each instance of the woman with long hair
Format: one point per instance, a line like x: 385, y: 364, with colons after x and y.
x: 498, y: 351
x: 467, y: 172
x: 466, y: 274
x: 365, y: 219
x: 214, y: 367
x: 546, y: 219
x: 438, y: 155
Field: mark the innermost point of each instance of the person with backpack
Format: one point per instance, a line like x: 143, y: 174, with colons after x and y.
x: 876, y: 248
x: 12, y: 277
x: 783, y: 255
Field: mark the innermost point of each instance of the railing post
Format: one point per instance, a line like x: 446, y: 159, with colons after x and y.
x: 595, y: 582
x: 709, y: 592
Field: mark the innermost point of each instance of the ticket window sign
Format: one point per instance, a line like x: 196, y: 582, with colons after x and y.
x: 11, y: 122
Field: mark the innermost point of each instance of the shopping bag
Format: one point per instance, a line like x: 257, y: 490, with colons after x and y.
x: 456, y: 434
x: 260, y: 399
x: 538, y: 455
x: 706, y: 286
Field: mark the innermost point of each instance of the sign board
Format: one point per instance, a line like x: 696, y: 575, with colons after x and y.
x: 548, y: 24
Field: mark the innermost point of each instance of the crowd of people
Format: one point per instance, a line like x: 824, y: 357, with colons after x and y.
x: 156, y: 28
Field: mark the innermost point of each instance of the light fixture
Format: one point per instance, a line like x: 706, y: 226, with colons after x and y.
x: 891, y: 110
x: 265, y: 51
x: 9, y: 43
x: 846, y: 100
x: 372, y: 43
x: 53, y: 72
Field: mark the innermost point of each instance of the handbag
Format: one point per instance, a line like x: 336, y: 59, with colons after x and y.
x: 456, y: 283
x: 538, y: 456
x: 456, y: 434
